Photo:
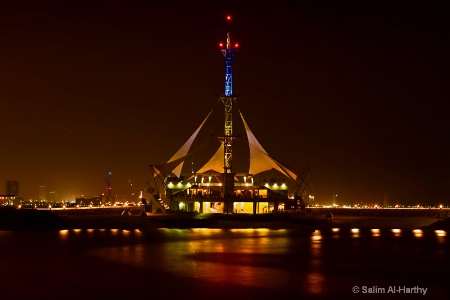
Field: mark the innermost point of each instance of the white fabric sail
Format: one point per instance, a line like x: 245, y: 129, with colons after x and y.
x: 155, y: 171
x: 183, y: 151
x: 260, y: 161
x: 215, y: 163
x: 177, y: 170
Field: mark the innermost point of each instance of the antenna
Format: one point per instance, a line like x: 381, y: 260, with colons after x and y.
x: 227, y: 99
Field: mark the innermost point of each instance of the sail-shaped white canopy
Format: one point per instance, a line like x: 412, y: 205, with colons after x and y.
x: 183, y: 151
x: 260, y: 161
x: 215, y: 163
x: 177, y: 170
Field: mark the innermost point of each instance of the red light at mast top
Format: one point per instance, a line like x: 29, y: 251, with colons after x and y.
x: 228, y: 18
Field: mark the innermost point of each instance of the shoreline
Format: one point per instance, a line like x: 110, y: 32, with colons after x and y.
x: 11, y: 219
x: 148, y: 222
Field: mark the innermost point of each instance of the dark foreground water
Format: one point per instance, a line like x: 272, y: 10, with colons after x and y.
x: 224, y: 264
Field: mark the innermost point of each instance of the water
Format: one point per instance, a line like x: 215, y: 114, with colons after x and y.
x: 222, y: 264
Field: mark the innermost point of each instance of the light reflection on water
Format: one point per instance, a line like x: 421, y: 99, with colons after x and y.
x: 315, y: 276
x: 233, y: 261
x: 418, y: 233
x: 397, y: 232
x: 246, y: 257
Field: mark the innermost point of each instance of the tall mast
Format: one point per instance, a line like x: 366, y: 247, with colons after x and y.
x: 228, y: 99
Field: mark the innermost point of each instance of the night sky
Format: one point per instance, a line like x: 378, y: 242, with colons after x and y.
x: 355, y: 90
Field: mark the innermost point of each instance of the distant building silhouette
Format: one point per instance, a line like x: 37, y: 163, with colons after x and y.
x: 334, y: 200
x: 386, y: 200
x: 42, y: 193
x: 12, y: 187
x: 53, y: 196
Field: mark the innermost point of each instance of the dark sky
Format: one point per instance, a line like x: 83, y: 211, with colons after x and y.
x: 355, y: 90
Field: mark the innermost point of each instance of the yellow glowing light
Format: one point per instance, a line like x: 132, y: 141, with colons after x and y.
x: 396, y: 232
x: 440, y: 232
x: 355, y: 232
x: 335, y: 229
x: 242, y: 230
x: 417, y: 233
x: 316, y: 236
x: 375, y: 232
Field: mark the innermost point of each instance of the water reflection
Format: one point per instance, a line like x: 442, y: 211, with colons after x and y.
x: 375, y: 232
x: 252, y: 258
x: 316, y: 284
x: 355, y: 232
x: 397, y: 232
x: 260, y: 258
x: 315, y: 277
x: 418, y: 233
x: 316, y: 236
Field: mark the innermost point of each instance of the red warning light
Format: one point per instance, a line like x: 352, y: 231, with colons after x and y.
x: 228, y: 18
x: 236, y: 45
x: 220, y: 45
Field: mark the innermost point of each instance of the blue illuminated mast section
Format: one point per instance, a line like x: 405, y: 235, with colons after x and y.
x: 228, y: 99
x: 229, y: 52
